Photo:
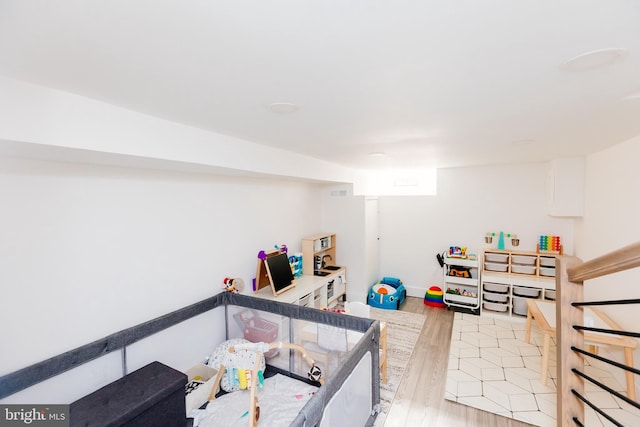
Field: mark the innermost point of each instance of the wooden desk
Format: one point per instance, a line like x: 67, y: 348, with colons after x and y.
x: 544, y: 314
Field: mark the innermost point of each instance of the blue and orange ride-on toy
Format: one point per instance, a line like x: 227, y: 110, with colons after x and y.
x: 389, y: 293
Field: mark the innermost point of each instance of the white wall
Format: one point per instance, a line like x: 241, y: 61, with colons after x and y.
x: 612, y: 209
x: 470, y: 202
x: 354, y: 220
x: 86, y: 250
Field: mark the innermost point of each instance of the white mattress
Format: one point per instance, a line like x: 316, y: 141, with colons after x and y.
x: 280, y: 400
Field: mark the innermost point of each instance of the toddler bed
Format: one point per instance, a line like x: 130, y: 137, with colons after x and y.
x: 350, y: 390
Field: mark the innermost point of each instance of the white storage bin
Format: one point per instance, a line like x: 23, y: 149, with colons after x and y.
x: 494, y: 306
x: 523, y: 269
x: 305, y: 301
x: 520, y: 306
x: 523, y: 259
x: 547, y: 271
x: 491, y: 257
x: 546, y: 261
x: 496, y: 287
x: 550, y: 294
x: 460, y: 299
x: 491, y: 297
x: 495, y: 266
x: 521, y: 291
x: 200, y: 383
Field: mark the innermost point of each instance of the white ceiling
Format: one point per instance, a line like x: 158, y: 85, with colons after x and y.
x: 430, y: 83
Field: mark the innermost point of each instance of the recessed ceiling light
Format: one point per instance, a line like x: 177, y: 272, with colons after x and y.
x: 377, y: 154
x: 283, y: 107
x: 594, y: 59
x: 633, y: 96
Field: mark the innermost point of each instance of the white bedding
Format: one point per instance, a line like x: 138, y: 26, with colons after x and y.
x: 280, y: 400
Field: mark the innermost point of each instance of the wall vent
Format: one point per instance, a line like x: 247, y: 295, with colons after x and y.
x: 339, y: 193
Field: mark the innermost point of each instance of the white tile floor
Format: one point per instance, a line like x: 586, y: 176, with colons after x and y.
x: 493, y: 369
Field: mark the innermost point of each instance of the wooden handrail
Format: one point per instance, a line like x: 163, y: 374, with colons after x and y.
x: 613, y: 262
x: 571, y: 273
x: 568, y: 405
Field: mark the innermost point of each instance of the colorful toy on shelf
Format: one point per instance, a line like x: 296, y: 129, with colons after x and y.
x: 550, y: 244
x: 295, y: 260
x: 233, y: 285
x: 457, y: 252
x: 282, y: 248
x: 457, y: 271
x: 433, y: 297
x: 389, y: 293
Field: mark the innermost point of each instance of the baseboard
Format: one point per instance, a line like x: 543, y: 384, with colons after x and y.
x: 415, y: 291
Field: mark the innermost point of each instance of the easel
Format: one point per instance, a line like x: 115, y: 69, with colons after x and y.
x: 262, y: 276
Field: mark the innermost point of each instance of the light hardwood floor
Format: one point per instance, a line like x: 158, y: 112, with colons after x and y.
x: 420, y: 397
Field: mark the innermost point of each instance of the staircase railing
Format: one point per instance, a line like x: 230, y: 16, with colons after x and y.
x: 571, y: 273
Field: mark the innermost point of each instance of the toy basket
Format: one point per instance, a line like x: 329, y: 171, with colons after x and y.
x: 257, y: 329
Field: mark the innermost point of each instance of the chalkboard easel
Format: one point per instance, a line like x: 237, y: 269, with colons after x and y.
x: 262, y: 275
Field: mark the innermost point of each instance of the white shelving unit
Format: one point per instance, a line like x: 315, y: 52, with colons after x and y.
x: 312, y: 291
x: 468, y: 287
x: 320, y: 247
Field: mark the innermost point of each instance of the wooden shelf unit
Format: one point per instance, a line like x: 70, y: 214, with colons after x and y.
x: 516, y: 286
x: 540, y: 260
x: 322, y: 245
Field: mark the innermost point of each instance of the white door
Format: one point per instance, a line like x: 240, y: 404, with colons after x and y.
x: 372, y: 239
